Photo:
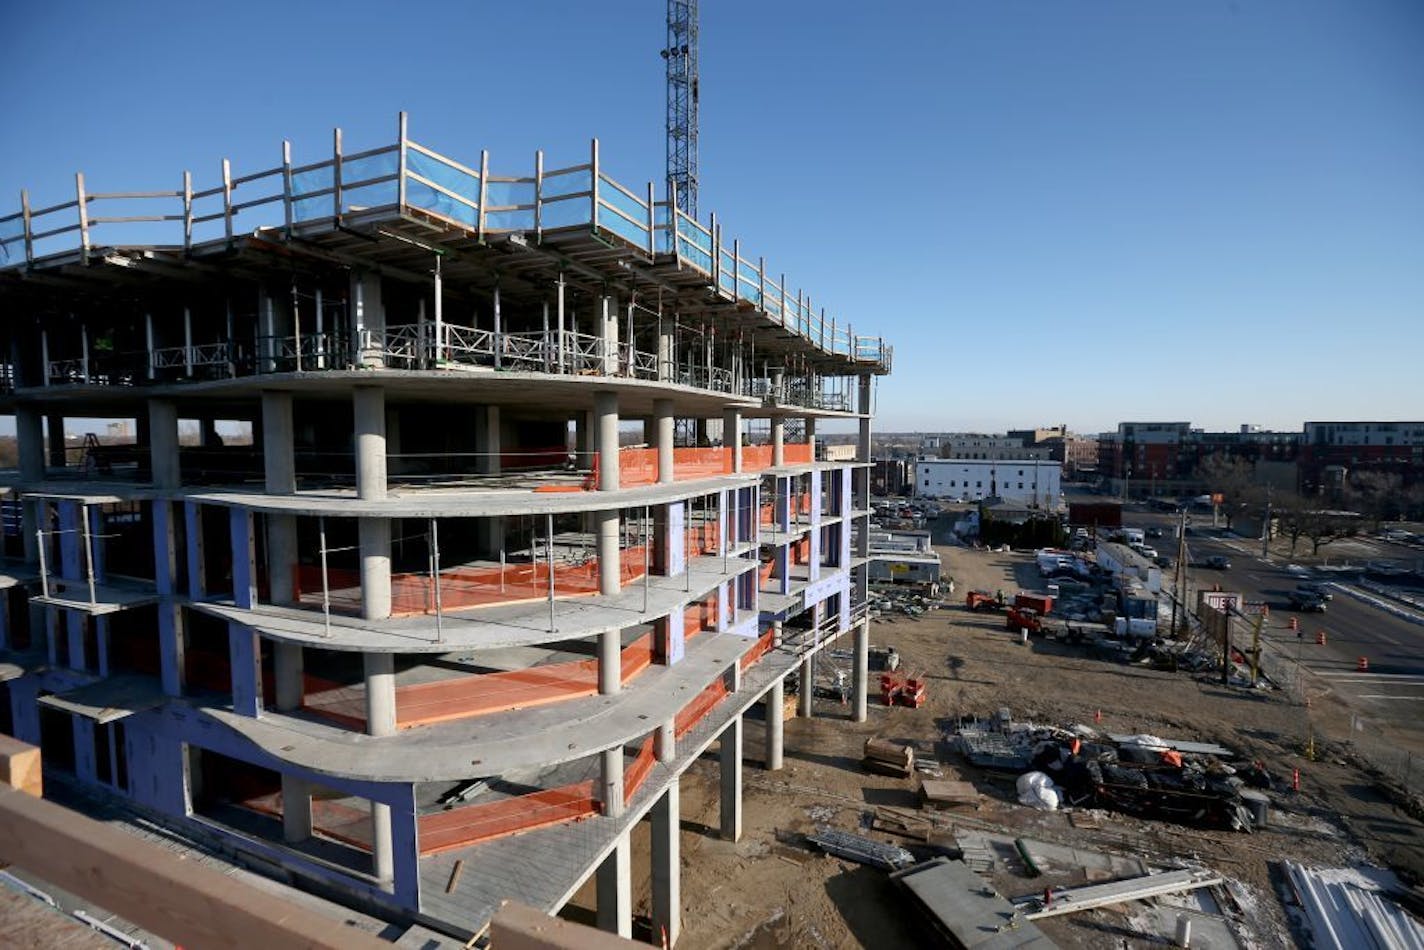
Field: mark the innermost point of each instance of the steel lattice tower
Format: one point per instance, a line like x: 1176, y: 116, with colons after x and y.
x: 681, y: 56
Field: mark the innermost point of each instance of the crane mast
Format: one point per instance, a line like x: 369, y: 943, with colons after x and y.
x: 682, y: 93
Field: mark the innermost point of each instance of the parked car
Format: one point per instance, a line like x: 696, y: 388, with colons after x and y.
x: 1154, y: 532
x: 1314, y: 589
x: 1307, y: 603
x: 1218, y: 562
x: 1162, y: 560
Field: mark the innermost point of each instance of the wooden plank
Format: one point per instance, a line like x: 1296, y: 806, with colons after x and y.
x: 517, y: 927
x: 20, y: 766
x: 178, y: 899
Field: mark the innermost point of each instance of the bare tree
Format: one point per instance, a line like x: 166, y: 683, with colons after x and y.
x: 1289, y: 510
x: 1378, y: 496
x: 1230, y: 477
x: 1326, y: 527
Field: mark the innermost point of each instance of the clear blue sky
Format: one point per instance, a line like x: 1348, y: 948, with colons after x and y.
x: 1075, y: 211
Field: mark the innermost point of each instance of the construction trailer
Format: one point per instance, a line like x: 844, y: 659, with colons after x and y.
x: 377, y: 601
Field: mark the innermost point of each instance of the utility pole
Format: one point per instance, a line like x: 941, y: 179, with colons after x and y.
x: 1266, y: 527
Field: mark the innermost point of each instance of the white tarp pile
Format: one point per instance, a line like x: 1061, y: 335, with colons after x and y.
x: 1037, y: 790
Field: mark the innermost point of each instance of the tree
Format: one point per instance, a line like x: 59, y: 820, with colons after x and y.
x: 1376, y: 495
x: 1288, y: 508
x: 1230, y: 477
x: 1326, y: 527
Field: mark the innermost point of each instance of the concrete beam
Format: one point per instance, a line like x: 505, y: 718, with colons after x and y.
x: 666, y: 819
x: 287, y: 666
x: 296, y: 809
x: 775, y: 726
x: 613, y: 882
x: 730, y: 758
x: 278, y: 443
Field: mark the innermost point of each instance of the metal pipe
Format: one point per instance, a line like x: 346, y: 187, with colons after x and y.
x: 40, y: 546
x: 549, y: 540
x: 435, y: 578
x: 325, y: 584
x: 88, y: 552
x: 647, y: 567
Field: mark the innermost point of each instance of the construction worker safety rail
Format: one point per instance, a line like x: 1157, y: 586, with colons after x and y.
x: 409, y: 179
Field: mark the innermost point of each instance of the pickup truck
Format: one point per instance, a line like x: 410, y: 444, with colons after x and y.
x: 1019, y: 618
x: 1217, y: 562
x: 1314, y: 589
x: 1307, y: 602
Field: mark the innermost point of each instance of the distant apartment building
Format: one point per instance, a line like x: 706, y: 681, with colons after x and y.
x: 974, y: 445
x: 889, y: 477
x: 1330, y: 451
x: 1036, y: 483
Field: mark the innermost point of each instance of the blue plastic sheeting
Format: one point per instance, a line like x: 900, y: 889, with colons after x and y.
x: 509, y: 220
x: 622, y: 227
x: 423, y: 196
x: 568, y: 183
x: 368, y: 196
x: 372, y: 166
x: 504, y: 193
x: 446, y: 176
x: 305, y: 209
x: 568, y: 213
x: 633, y: 209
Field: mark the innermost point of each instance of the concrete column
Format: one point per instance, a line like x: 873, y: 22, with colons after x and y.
x: 613, y: 882
x: 861, y: 674
x: 732, y: 436
x: 665, y: 741
x: 730, y: 755
x: 610, y: 662
x: 611, y: 781
x: 806, y: 698
x: 664, y: 434
x: 280, y: 472
x: 605, y: 436
x: 163, y: 443
x: 244, y: 656
x: 375, y: 541
x: 296, y: 809
x: 777, y: 628
x: 667, y: 354
x: 54, y: 424
x: 381, y: 721
x: 608, y: 333
x: 369, y: 405
x: 811, y: 435
x: 380, y: 672
x: 609, y: 566
x: 778, y: 441
x: 666, y: 816
x: 29, y: 431
x: 775, y: 725
x: 287, y: 665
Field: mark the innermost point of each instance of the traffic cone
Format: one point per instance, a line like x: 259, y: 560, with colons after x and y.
x: 1363, y: 665
x: 1295, y: 780
x: 1320, y: 637
x: 1295, y: 623
x: 1098, y: 716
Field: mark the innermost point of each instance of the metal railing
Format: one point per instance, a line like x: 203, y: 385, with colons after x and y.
x: 409, y: 178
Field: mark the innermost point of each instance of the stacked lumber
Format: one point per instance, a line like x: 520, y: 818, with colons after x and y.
x: 888, y: 758
x: 944, y: 794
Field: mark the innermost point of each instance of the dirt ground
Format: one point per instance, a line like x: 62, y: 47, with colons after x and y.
x: 763, y: 892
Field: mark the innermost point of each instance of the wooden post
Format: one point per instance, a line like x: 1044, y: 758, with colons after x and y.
x: 187, y: 212
x: 539, y: 194
x: 287, y: 186
x: 83, y: 216
x: 593, y: 183
x: 484, y: 191
x: 400, y: 163
x: 336, y: 174
x: 227, y: 200
x: 29, y: 231
x: 20, y: 767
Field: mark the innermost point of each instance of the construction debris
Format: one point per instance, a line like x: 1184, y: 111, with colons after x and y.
x: 843, y: 844
x: 902, y: 690
x: 1069, y: 900
x: 964, y: 911
x: 944, y: 794
x: 1344, y: 909
x: 888, y: 758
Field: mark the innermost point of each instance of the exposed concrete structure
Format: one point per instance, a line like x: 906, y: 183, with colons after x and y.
x: 382, y: 617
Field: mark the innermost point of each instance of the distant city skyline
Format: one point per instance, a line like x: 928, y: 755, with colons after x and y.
x: 1084, y: 212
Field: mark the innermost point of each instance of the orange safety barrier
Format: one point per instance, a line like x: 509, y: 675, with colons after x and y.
x: 696, y: 710
x: 703, y: 539
x: 768, y: 514
x: 755, y: 458
x: 460, y: 827
x: 766, y: 571
x: 801, y: 551
x: 700, y: 617
x: 797, y: 453
x: 637, y: 467
x: 635, y: 658
x: 332, y: 820
x: 465, y: 587
x: 690, y: 463
x: 763, y: 644
x: 638, y: 772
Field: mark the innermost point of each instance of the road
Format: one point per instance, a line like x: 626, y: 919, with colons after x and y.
x: 1391, y: 689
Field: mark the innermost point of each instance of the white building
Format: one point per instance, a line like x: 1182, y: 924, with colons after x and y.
x: 1032, y: 482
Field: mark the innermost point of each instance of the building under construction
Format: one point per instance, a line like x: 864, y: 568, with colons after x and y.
x: 462, y: 510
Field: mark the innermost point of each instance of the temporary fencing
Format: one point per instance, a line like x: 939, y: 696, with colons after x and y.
x: 696, y: 710
x: 763, y: 644
x: 639, y: 466
x: 331, y: 819
x: 637, y: 773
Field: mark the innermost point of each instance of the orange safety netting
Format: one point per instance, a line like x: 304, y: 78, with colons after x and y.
x: 639, y: 771
x: 768, y: 514
x: 699, y: 617
x: 756, y: 457
x: 767, y: 569
x: 696, y: 710
x: 757, y: 652
x: 463, y: 697
x: 637, y: 467
x: 700, y: 463
x: 465, y: 587
x: 797, y: 453
x: 334, y: 820
x: 459, y: 827
x: 801, y: 551
x: 704, y: 539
